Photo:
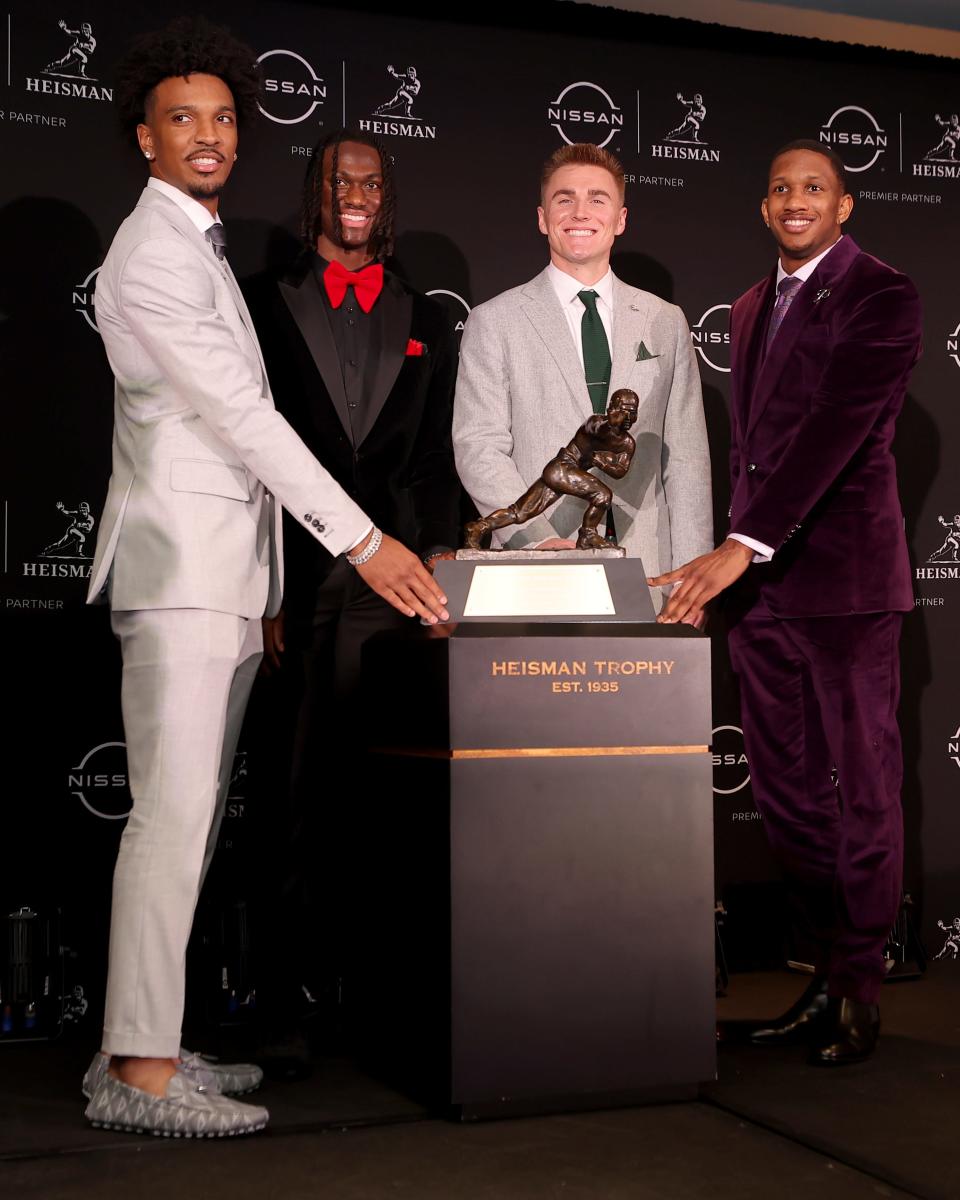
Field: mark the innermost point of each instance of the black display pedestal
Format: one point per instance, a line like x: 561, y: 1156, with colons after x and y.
x: 540, y: 925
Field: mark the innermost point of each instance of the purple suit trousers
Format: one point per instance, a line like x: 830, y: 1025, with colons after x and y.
x: 814, y: 638
x: 819, y: 696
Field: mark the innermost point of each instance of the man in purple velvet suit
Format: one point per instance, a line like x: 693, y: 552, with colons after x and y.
x: 821, y: 353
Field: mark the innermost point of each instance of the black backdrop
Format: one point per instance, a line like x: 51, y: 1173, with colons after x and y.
x: 497, y: 94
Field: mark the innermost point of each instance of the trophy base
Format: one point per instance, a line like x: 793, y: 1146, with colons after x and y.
x: 545, y: 585
x: 582, y: 556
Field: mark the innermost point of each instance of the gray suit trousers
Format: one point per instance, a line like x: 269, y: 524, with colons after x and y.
x: 187, y: 675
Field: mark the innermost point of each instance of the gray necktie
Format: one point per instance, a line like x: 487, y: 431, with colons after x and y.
x: 786, y: 290
x: 217, y: 237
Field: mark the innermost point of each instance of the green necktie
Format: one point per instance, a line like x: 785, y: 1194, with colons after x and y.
x: 596, y: 352
x: 596, y: 367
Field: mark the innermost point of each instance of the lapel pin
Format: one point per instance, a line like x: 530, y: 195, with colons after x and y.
x: 821, y: 295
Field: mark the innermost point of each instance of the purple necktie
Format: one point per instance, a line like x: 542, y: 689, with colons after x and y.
x: 786, y: 290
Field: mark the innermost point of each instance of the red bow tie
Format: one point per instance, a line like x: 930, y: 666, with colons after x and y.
x: 367, y: 284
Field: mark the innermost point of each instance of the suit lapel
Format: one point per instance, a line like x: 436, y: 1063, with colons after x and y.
x: 305, y: 303
x: 747, y: 351
x: 631, y: 319
x: 778, y: 353
x: 828, y: 272
x: 542, y: 308
x: 152, y: 198
x: 396, y: 314
x: 243, y: 312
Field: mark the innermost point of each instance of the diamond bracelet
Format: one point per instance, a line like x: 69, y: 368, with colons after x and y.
x: 357, y: 560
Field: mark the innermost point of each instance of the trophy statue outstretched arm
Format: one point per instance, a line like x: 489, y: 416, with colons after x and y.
x: 603, y: 442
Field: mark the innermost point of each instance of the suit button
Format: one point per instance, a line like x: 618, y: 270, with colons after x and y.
x: 751, y: 467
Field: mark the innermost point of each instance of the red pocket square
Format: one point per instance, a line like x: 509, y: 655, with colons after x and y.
x: 415, y: 349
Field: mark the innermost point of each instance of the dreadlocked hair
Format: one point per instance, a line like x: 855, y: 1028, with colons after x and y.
x: 187, y: 46
x: 382, y: 237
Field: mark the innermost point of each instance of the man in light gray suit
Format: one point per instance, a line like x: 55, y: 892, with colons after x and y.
x: 538, y: 359
x: 189, y: 556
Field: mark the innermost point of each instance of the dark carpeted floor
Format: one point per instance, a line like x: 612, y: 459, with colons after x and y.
x: 770, y: 1126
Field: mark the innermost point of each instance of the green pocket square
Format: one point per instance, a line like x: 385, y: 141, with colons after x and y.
x: 643, y: 353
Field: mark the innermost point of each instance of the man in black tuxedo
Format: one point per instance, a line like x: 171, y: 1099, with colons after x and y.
x: 363, y: 368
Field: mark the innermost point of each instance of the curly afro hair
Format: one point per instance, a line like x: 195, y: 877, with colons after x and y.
x: 187, y: 46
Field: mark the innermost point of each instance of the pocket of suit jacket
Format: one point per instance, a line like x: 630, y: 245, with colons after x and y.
x: 209, y: 478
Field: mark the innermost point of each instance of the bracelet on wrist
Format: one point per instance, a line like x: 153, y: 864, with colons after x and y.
x: 369, y: 550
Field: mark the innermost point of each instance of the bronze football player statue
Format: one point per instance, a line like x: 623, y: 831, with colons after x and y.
x: 602, y: 441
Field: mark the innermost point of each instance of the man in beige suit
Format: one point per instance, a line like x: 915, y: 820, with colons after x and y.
x: 189, y: 555
x: 522, y: 390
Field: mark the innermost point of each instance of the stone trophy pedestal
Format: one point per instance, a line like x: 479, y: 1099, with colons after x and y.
x: 540, y: 933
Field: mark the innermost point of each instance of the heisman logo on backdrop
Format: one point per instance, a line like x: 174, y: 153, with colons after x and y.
x: 292, y: 90
x: 686, y: 140
x: 236, y: 801
x: 942, y: 161
x: 70, y: 555
x: 856, y: 136
x: 585, y: 112
x: 951, y: 945
x: 399, y: 107
x: 944, y: 562
x: 69, y: 75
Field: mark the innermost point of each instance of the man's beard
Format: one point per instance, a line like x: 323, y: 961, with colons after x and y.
x: 204, y: 191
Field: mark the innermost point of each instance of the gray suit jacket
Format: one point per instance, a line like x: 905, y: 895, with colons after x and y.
x: 199, y: 451
x: 521, y: 395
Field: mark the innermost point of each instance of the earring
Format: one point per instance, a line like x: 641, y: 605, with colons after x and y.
x: 148, y: 156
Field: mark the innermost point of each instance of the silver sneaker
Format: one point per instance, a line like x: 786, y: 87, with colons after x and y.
x: 231, y: 1079
x: 187, y: 1109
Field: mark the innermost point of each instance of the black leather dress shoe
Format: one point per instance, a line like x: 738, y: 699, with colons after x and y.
x: 847, y: 1034
x: 795, y: 1025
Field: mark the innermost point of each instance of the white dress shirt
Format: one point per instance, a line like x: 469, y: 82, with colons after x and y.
x: 762, y: 552
x: 201, y: 216
x: 566, y: 288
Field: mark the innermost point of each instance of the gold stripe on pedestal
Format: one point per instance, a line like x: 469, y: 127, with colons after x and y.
x: 544, y: 752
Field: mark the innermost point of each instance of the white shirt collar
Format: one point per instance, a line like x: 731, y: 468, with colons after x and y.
x: 803, y: 273
x: 567, y: 288
x: 200, y: 216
